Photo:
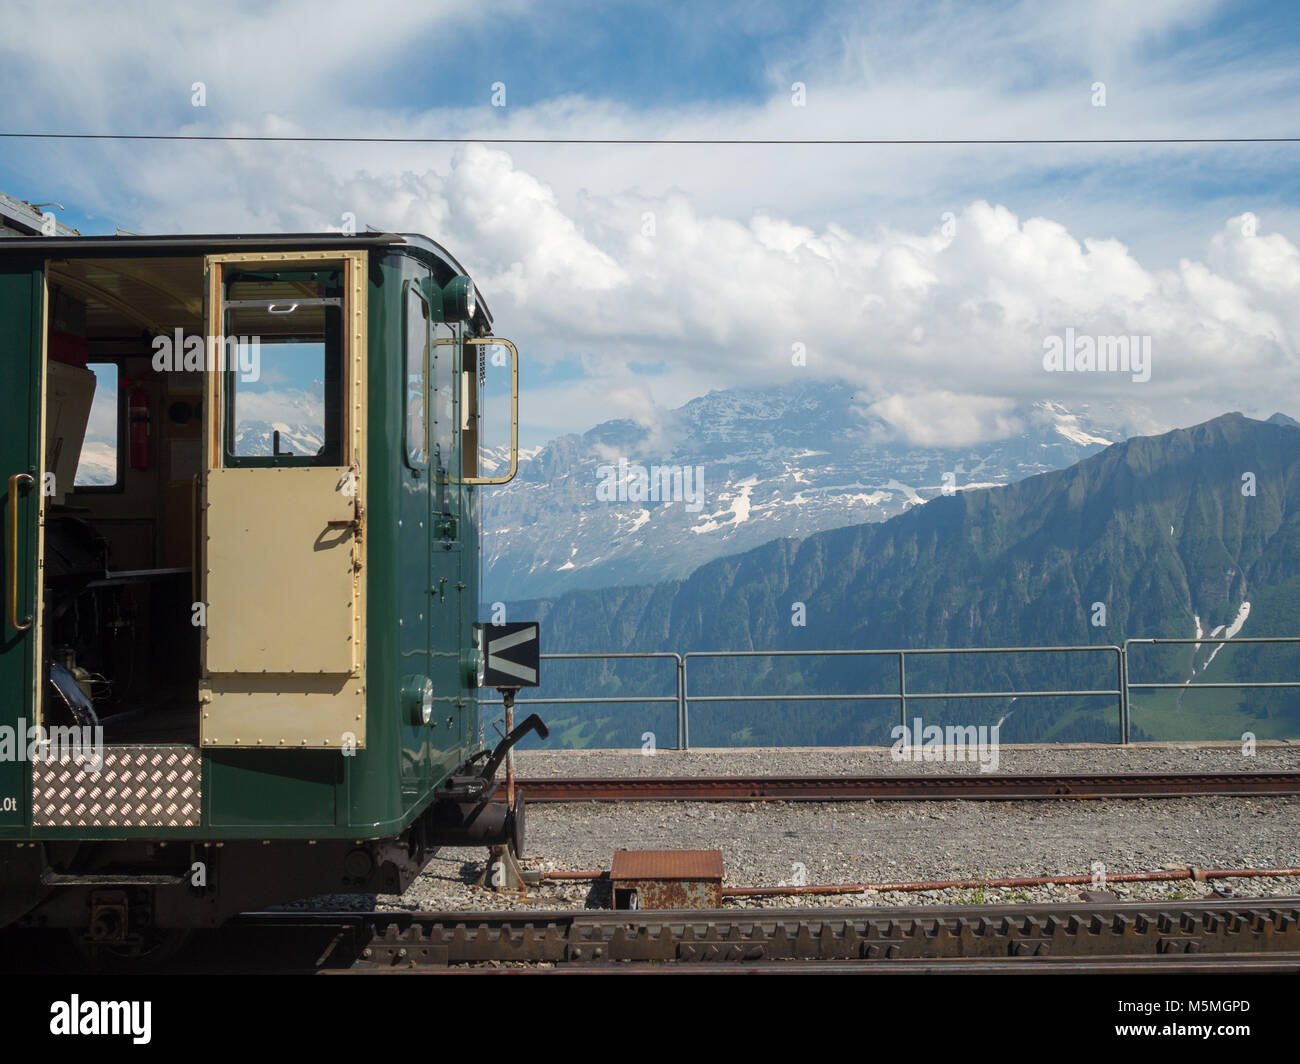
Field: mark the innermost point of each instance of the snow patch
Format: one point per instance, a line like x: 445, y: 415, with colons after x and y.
x: 739, y: 510
x: 1233, y: 629
x: 1074, y: 434
x: 908, y: 492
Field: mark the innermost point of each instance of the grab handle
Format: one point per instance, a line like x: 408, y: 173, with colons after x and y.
x: 16, y: 482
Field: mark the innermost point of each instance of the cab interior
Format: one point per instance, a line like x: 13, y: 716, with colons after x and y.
x: 124, y: 451
x: 123, y: 448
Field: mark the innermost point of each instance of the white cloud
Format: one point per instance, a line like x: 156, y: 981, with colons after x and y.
x: 516, y: 224
x: 754, y: 248
x: 951, y: 327
x: 944, y: 418
x: 290, y: 405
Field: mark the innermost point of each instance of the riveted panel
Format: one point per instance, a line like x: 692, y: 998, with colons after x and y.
x: 135, y: 787
x: 282, y: 568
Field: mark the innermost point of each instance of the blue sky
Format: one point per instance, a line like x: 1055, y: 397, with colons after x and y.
x: 895, y: 267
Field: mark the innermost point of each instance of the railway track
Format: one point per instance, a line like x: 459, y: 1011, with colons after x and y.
x: 1211, y: 934
x: 1214, y: 934
x: 974, y: 786
x: 1183, y: 964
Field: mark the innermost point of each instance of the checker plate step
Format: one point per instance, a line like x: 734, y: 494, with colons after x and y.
x: 137, y: 787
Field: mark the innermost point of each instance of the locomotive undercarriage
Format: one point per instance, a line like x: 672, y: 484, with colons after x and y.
x: 123, y: 896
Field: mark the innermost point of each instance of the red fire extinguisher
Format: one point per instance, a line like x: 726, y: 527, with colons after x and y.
x: 138, y: 415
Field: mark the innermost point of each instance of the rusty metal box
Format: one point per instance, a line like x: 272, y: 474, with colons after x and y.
x: 667, y: 879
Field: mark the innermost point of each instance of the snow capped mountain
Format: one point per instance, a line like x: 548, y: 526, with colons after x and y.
x: 626, y: 503
x: 1067, y: 425
x: 98, y: 464
x: 256, y: 438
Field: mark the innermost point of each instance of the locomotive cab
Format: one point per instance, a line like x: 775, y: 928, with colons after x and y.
x: 241, y: 571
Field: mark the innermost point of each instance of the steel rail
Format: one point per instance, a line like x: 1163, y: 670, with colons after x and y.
x: 1182, y: 963
x: 1199, y: 875
x: 1218, y: 934
x: 1216, y: 931
x: 1169, y: 875
x: 974, y: 785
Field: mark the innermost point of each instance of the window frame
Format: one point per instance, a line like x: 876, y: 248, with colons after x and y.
x: 229, y: 374
x: 451, y: 341
x: 119, y: 484
x: 411, y: 287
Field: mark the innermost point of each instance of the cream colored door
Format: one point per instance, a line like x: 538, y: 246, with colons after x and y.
x: 281, y: 596
x: 284, y: 503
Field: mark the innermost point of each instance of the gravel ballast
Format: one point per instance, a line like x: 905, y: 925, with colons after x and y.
x: 778, y: 843
x: 878, y: 761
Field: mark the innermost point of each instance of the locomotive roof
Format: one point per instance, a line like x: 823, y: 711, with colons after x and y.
x: 217, y: 243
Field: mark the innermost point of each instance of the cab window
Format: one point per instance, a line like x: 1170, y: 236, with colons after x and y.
x: 283, y: 365
x: 99, y: 466
x: 444, y: 396
x: 417, y: 362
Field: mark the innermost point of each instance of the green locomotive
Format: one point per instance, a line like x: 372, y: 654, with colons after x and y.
x: 241, y: 571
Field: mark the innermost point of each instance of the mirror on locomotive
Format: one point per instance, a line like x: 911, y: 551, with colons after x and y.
x: 284, y: 503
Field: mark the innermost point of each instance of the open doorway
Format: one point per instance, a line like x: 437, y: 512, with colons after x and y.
x: 123, y: 454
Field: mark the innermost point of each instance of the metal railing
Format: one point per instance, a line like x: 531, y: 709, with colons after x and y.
x: 1242, y: 685
x: 1121, y: 692
x: 902, y: 695
x: 678, y: 698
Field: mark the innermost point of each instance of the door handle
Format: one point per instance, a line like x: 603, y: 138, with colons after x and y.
x: 353, y: 524
x: 16, y: 482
